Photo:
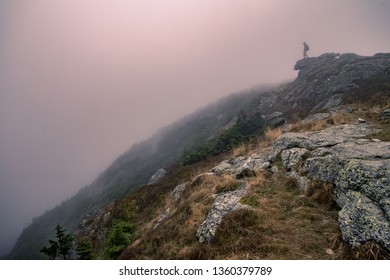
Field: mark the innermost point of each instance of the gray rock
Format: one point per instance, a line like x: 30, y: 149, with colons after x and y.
x: 276, y: 119
x: 157, y: 176
x: 242, y: 167
x: 360, y: 120
x: 223, y: 205
x: 324, y: 81
x: 317, y: 139
x: 176, y: 193
x: 291, y: 158
x: 94, y: 226
x: 357, y: 167
x: 385, y: 115
x: 362, y: 220
x: 274, y: 169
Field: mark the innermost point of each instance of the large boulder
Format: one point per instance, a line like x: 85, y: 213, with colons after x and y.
x: 224, y: 204
x: 357, y: 167
x: 156, y: 177
x: 276, y: 119
x: 242, y: 167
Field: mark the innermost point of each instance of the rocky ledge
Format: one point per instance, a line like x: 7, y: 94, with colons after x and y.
x: 357, y: 166
x: 345, y: 156
x: 223, y: 205
x: 323, y: 82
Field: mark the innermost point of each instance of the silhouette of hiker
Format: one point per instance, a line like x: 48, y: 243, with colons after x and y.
x: 305, y: 49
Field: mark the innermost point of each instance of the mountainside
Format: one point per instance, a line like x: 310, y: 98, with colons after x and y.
x: 327, y: 189
x: 133, y: 169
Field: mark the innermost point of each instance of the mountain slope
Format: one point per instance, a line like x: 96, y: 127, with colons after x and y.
x: 291, y: 195
x: 133, y: 169
x: 324, y: 84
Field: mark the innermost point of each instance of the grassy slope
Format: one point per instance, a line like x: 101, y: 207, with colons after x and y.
x: 130, y: 171
x: 282, y: 223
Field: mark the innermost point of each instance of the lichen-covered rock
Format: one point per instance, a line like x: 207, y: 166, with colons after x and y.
x: 176, y: 193
x: 385, y: 115
x: 89, y: 225
x: 242, y: 167
x: 358, y: 168
x: 157, y: 176
x: 361, y: 220
x: 94, y: 227
x: 276, y: 119
x: 223, y: 204
x: 323, y: 81
x: 291, y: 158
x: 319, y: 139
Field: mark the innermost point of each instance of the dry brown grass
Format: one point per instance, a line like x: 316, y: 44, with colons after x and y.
x: 282, y: 223
x: 316, y: 125
x: 322, y: 194
x: 270, y: 135
x: 367, y: 251
x: 241, y: 150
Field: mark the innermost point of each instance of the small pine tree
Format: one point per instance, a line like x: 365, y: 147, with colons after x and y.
x: 52, y: 250
x: 61, y: 246
x: 119, y: 237
x: 84, y: 250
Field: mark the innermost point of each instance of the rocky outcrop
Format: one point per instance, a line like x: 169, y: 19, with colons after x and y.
x: 385, y: 115
x: 157, y: 176
x: 242, y: 167
x: 324, y: 81
x: 223, y: 205
x: 276, y: 119
x: 94, y: 227
x: 291, y: 158
x: 344, y: 156
x: 176, y: 193
x: 357, y: 167
x: 89, y: 224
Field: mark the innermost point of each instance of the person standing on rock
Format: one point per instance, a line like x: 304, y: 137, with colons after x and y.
x: 305, y: 49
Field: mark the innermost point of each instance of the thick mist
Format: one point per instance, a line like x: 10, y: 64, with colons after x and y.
x: 82, y: 80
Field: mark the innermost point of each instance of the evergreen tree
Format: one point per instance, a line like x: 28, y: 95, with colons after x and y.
x: 84, y: 250
x: 61, y: 246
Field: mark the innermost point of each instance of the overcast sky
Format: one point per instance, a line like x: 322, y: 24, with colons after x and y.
x: 82, y: 80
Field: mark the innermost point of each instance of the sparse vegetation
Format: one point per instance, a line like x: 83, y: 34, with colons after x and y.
x: 384, y: 134
x: 367, y: 251
x: 245, y: 129
x: 282, y: 223
x: 271, y: 134
x: 226, y: 184
x: 316, y: 125
x: 120, y: 236
x: 84, y: 250
x: 59, y: 247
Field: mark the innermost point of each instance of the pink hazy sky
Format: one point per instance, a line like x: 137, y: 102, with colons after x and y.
x: 82, y: 80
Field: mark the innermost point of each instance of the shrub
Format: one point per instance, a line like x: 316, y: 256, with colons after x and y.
x: 59, y: 247
x: 84, y: 250
x: 245, y: 129
x: 120, y: 236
